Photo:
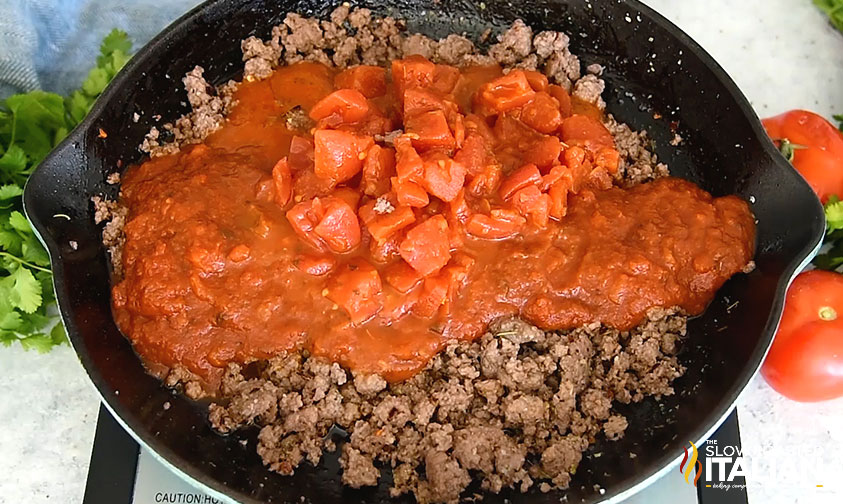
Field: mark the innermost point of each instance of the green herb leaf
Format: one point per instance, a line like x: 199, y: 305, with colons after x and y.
x: 834, y: 215
x: 31, y: 125
x: 26, y: 293
x: 834, y: 10
x: 839, y: 119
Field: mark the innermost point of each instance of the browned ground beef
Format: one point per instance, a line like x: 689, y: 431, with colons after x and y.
x: 517, y: 407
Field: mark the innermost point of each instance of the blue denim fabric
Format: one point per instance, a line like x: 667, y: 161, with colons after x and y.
x: 51, y: 44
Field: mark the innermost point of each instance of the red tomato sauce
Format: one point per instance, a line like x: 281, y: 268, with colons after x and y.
x: 495, y: 201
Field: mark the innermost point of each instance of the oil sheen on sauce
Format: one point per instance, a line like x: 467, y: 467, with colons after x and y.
x: 213, y: 274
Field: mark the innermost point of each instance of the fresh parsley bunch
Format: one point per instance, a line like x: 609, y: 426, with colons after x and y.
x: 31, y: 125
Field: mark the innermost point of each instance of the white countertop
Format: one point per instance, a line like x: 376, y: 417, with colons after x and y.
x: 781, y: 53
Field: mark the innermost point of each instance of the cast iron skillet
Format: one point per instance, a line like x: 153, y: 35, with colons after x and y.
x: 656, y: 76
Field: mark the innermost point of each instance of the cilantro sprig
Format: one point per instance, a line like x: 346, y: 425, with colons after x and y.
x: 31, y: 124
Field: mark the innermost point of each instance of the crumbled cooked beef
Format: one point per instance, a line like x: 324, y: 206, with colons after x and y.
x: 420, y: 45
x: 298, y: 120
x: 638, y: 163
x: 589, y: 89
x: 113, y: 237
x: 464, y: 412
x: 453, y: 49
x: 513, y: 45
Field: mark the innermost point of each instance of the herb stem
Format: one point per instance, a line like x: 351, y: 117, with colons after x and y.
x: 25, y: 263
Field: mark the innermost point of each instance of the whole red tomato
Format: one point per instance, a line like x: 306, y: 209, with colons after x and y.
x: 816, y: 147
x: 805, y: 362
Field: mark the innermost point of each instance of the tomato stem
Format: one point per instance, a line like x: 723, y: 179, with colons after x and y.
x: 827, y: 313
x: 788, y: 149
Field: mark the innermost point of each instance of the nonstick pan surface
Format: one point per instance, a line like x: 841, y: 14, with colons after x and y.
x: 657, y: 79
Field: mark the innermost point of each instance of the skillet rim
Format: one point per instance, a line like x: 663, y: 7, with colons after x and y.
x: 187, y: 471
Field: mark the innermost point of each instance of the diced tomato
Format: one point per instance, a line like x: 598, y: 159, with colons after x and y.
x: 525, y: 176
x: 366, y: 212
x: 301, y: 154
x: 456, y: 272
x: 457, y: 125
x: 473, y: 155
x: 358, y: 290
x: 530, y: 202
x: 542, y: 113
x: 338, y: 155
x: 558, y: 194
x: 458, y: 208
x: 368, y: 80
x: 584, y: 131
x: 443, y: 177
x: 579, y: 166
x: 487, y: 182
x: 342, y: 106
x: 385, y: 225
x: 401, y: 276
x: 564, y: 99
x: 283, y: 180
x: 556, y: 173
x: 239, y: 253
x: 338, y: 225
x: 433, y: 295
x: 426, y: 247
x: 386, y: 251
x: 397, y: 305
x: 378, y: 168
x: 408, y: 164
x: 375, y: 123
x: 445, y: 78
x: 412, y: 72
x: 409, y: 193
x: 607, y: 158
x: 303, y: 221
x: 500, y: 224
x: 349, y: 195
x: 477, y: 125
x: 543, y: 151
x: 418, y: 100
x: 538, y: 81
x: 429, y: 130
x: 507, y: 92
x: 316, y: 265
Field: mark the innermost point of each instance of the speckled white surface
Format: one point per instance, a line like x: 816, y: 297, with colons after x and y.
x: 781, y: 53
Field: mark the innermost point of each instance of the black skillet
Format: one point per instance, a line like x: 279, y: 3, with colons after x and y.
x: 656, y: 76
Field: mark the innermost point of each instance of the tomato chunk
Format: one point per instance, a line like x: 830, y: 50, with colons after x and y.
x: 283, y: 180
x: 429, y: 130
x: 538, y: 81
x: 558, y: 194
x: 338, y: 225
x: 543, y: 151
x: 433, y: 295
x: 607, y: 158
x: 487, y: 182
x: 500, y: 224
x: 473, y: 155
x: 303, y: 221
x: 316, y: 265
x: 507, y: 92
x: 378, y: 168
x: 564, y: 99
x: 401, y: 276
x: 525, y: 176
x: 530, y: 202
x: 412, y: 72
x: 384, y: 225
x: 338, y: 155
x: 587, y: 132
x: 358, y: 290
x: 426, y: 247
x: 342, y: 106
x: 367, y: 79
x: 408, y: 163
x: 301, y: 154
x: 418, y: 100
x: 409, y: 193
x: 443, y: 178
x: 542, y: 113
x: 445, y: 78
